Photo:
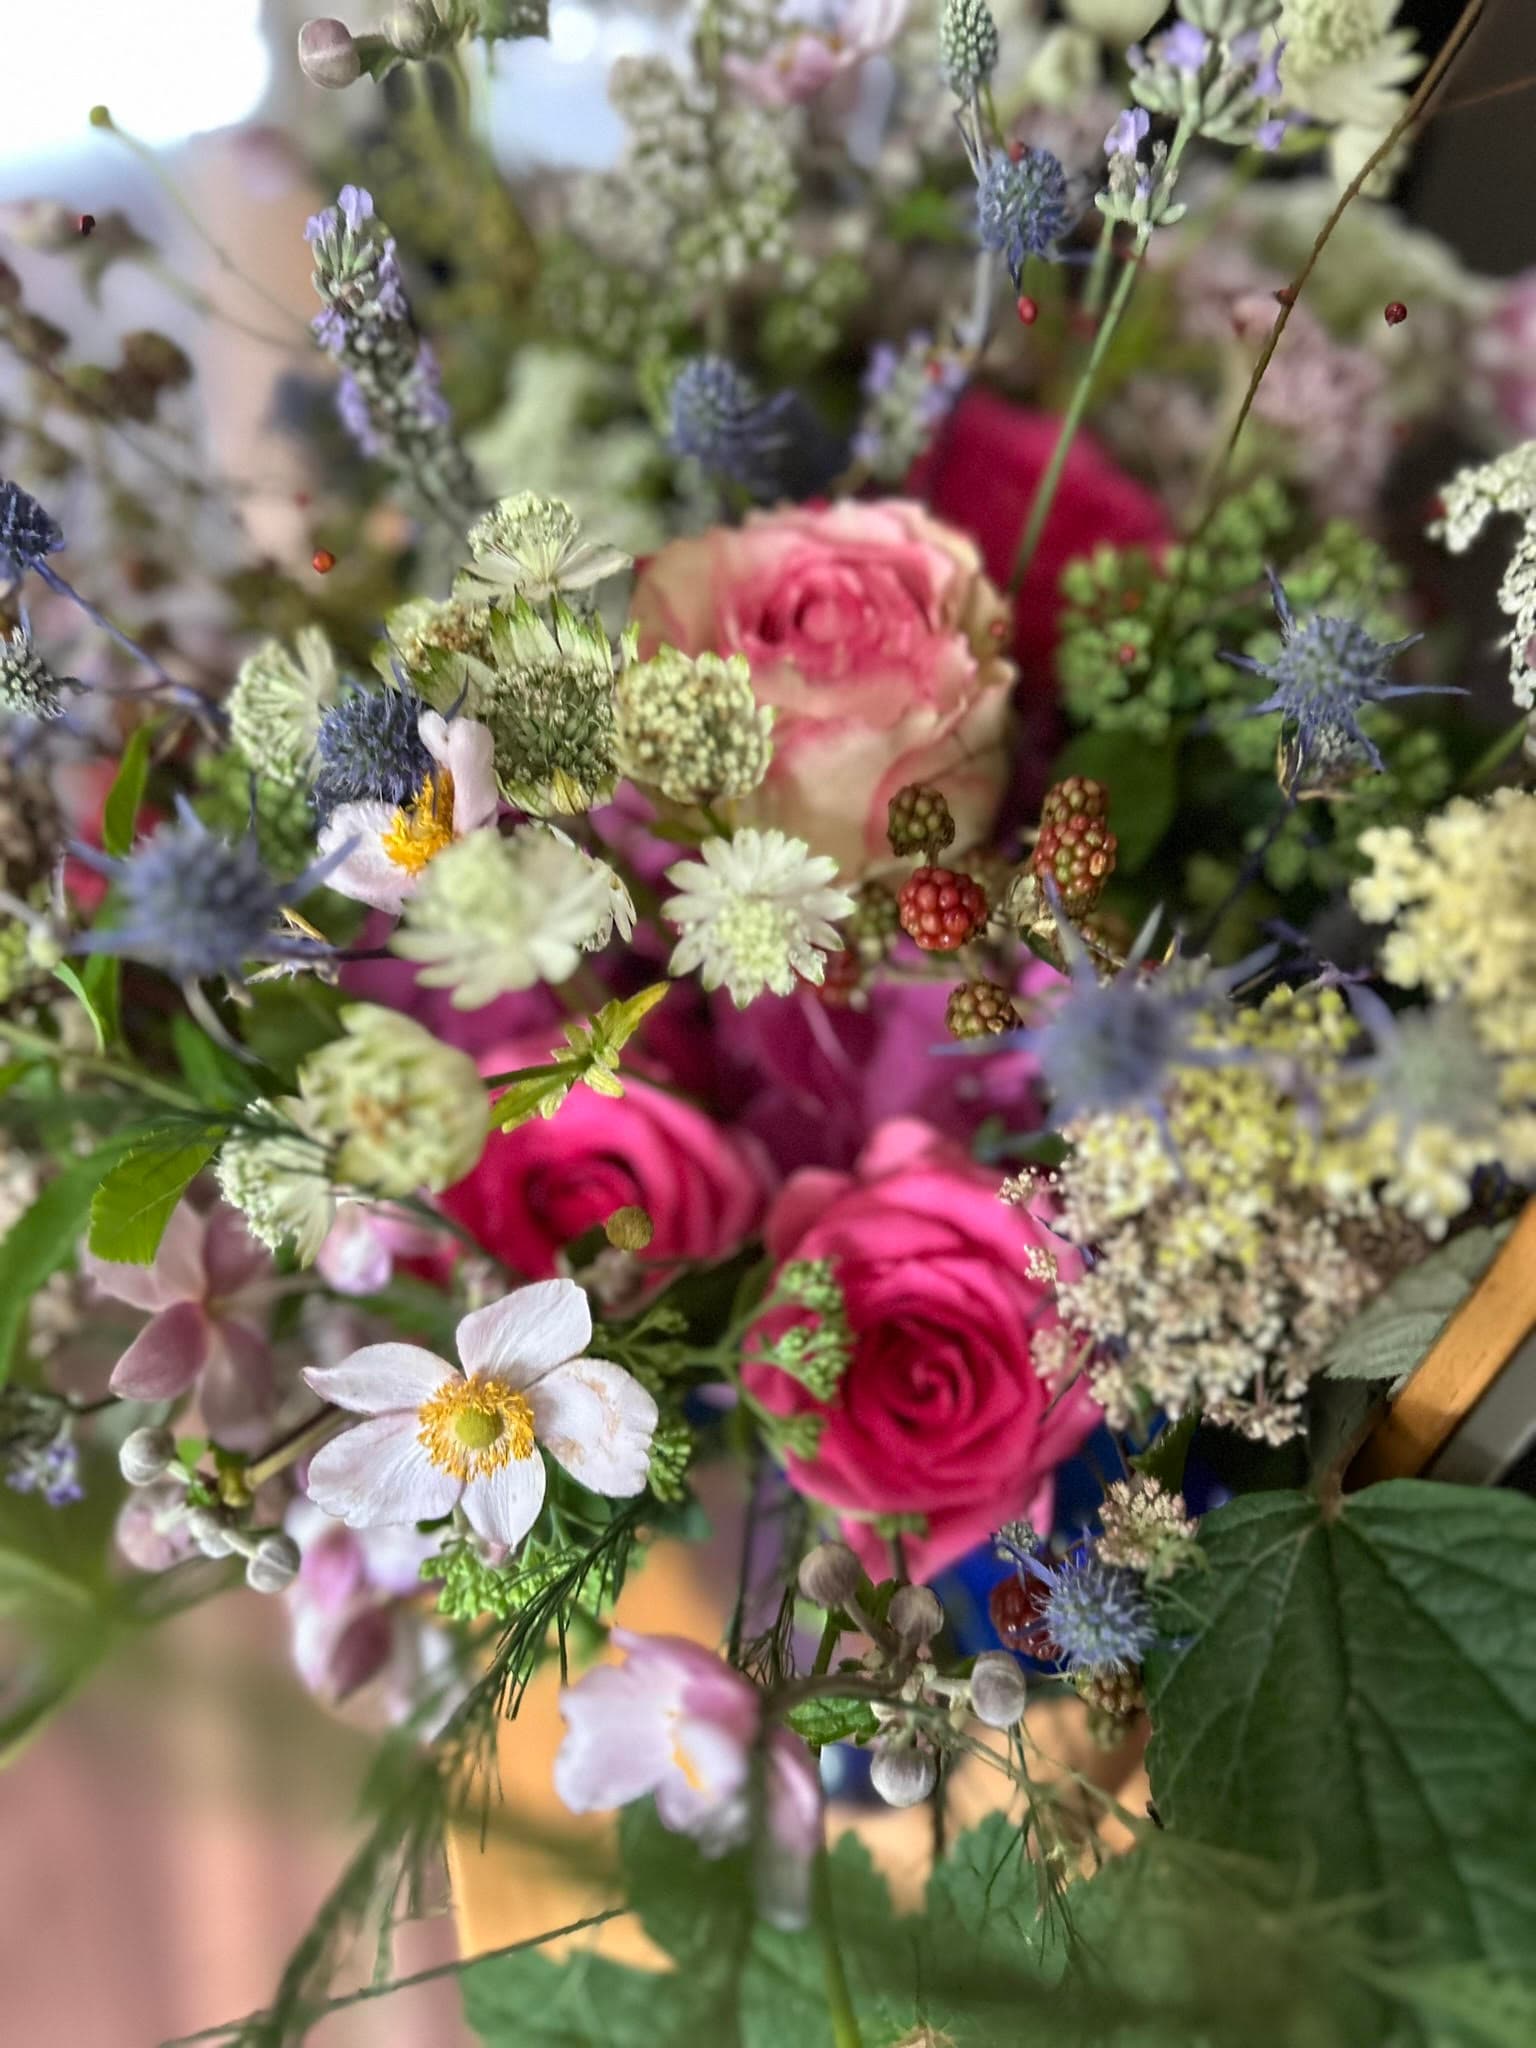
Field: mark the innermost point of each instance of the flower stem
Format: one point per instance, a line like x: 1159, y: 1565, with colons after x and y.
x: 23, y: 1040
x: 297, y: 1444
x: 845, y: 2025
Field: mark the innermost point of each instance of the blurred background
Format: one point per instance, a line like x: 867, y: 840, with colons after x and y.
x: 169, y: 1836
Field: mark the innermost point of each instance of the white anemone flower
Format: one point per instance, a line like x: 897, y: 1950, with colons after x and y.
x: 755, y: 912
x: 393, y: 846
x: 438, y: 1437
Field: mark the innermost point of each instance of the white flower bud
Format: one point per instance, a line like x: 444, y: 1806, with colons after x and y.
x: 412, y: 28
x: 327, y: 54
x: 902, y: 1774
x: 830, y: 1575
x: 997, y: 1689
x: 273, y: 1563
x: 146, y: 1455
x: 915, y: 1613
x: 210, y: 1532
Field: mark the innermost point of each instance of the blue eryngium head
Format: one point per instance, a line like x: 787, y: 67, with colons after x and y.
x: 1093, y: 1617
x: 1328, y: 669
x: 1022, y: 206
x: 27, y: 532
x: 717, y: 417
x: 370, y: 749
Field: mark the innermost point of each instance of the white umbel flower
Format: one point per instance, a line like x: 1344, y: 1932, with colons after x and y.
x: 754, y: 912
x: 1345, y: 64
x: 436, y: 1436
x: 492, y: 915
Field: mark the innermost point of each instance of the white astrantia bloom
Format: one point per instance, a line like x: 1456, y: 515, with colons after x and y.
x: 755, y: 912
x: 491, y: 916
x: 533, y: 547
x: 438, y: 1437
x: 392, y: 846
x: 1345, y: 64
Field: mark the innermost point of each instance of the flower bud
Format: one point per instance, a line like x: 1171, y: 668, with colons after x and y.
x: 902, y: 1774
x: 830, y: 1575
x: 273, y: 1563
x: 997, y: 1689
x: 210, y: 1532
x: 327, y: 54
x: 915, y: 1613
x: 146, y: 1455
x: 411, y: 28
x: 629, y: 1229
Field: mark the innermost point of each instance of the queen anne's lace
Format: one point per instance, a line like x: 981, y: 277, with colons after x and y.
x: 1471, y: 499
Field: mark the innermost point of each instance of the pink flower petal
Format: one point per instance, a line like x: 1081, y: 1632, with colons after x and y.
x: 617, y: 1745
x: 467, y: 750
x: 377, y: 1473
x: 176, y: 1275
x: 505, y: 1506
x: 166, y: 1356
x: 526, y: 1332
x: 381, y: 1378
x: 367, y: 875
x: 598, y: 1421
x: 237, y: 1397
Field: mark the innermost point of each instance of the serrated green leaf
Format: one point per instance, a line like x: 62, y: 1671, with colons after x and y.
x: 134, y: 1203
x: 823, y: 1721
x: 1389, y: 1339
x: 83, y: 995
x: 216, y: 1078
x: 617, y: 1022
x: 537, y: 1094
x: 1164, y: 1458
x: 120, y: 812
x: 1353, y: 1694
x: 44, y: 1239
x: 1466, y: 2005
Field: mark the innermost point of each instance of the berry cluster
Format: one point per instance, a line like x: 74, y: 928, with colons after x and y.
x: 979, y: 1009
x: 1076, y: 849
x: 941, y: 909
x: 919, y: 821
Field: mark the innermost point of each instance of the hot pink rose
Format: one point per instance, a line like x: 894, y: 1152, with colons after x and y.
x: 537, y: 1188
x: 872, y: 631
x: 941, y: 1412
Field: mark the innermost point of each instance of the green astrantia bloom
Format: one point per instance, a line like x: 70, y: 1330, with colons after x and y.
x: 277, y: 1175
x: 549, y: 705
x: 275, y: 706
x: 690, y: 726
x: 532, y: 547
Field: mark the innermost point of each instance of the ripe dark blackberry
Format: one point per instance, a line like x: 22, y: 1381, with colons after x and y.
x: 941, y: 909
x: 919, y: 820
x: 1077, y: 853
x: 978, y: 1008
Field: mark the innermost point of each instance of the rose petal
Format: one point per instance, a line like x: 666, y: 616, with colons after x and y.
x: 376, y: 1472
x: 381, y: 1378
x: 526, y: 1332
x: 598, y: 1421
x: 505, y: 1506
x: 166, y: 1356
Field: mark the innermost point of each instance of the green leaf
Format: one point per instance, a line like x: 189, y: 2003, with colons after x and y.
x: 120, y: 813
x: 1164, y: 1458
x: 44, y: 1239
x: 216, y: 1077
x: 134, y: 1203
x: 100, y: 1024
x: 1389, y: 1339
x: 1468, y: 2006
x: 1142, y: 785
x: 539, y: 1093
x: 1352, y: 1693
x: 826, y: 1720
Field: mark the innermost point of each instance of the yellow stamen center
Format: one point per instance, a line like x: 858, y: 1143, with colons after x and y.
x: 415, y: 835
x: 471, y: 1428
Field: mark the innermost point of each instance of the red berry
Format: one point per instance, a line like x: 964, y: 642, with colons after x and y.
x: 843, y: 980
x: 1077, y: 853
x: 1286, y: 296
x: 1014, y: 1606
x: 1394, y: 314
x: 941, y: 909
x: 87, y: 223
x: 1016, y: 152
x: 322, y: 561
x: 1029, y: 312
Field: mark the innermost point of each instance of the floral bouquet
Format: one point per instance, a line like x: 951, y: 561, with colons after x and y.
x: 844, y: 859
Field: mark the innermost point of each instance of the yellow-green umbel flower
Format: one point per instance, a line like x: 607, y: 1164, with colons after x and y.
x: 405, y: 1110
x: 690, y: 726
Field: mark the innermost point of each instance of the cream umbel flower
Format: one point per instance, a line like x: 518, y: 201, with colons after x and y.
x: 391, y: 847
x: 438, y: 1437
x: 755, y: 912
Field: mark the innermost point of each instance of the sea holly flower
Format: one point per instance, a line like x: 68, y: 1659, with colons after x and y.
x: 1087, y: 1616
x: 385, y: 847
x: 1023, y: 207
x: 675, y: 1721
x: 438, y: 1437
x: 206, y: 1292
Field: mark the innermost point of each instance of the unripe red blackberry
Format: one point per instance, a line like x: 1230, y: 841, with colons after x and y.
x: 1078, y: 796
x: 1077, y: 853
x: 1014, y: 1608
x: 941, y: 909
x: 919, y: 820
x: 978, y: 1008
x: 875, y: 924
x: 842, y: 983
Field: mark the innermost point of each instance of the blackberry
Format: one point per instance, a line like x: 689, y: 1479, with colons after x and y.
x: 977, y: 1009
x: 919, y: 821
x: 941, y: 909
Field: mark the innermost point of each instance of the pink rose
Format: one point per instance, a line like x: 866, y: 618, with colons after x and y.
x: 941, y: 1412
x: 872, y: 631
x: 537, y: 1188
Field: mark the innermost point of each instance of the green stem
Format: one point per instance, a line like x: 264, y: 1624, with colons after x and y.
x: 18, y: 1036
x: 1496, y: 755
x: 1098, y: 276
x: 289, y: 1449
x: 845, y: 2024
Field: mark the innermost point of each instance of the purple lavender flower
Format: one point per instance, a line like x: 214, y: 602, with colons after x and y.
x: 1128, y: 133
x: 1183, y: 48
x: 352, y: 410
x: 356, y: 206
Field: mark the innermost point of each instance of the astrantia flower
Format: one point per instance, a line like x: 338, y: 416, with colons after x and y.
x: 755, y: 912
x: 276, y: 1173
x: 676, y: 1721
x: 385, y: 848
x: 277, y: 702
x: 1471, y: 499
x: 27, y: 532
x: 1327, y: 671
x: 492, y: 915
x: 439, y: 1437
x: 198, y: 906
x: 533, y: 547
x: 28, y: 686
x: 1346, y: 65
x: 690, y: 726
x: 546, y: 693
x: 719, y: 419
x: 1022, y: 206
x: 405, y: 1110
x: 370, y: 749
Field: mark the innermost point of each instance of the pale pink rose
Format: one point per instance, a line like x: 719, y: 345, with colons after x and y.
x: 942, y: 1412
x: 206, y: 1294
x: 807, y: 61
x: 675, y: 1721
x: 872, y: 631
